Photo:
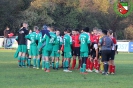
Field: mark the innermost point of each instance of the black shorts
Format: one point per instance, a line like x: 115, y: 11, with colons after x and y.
x: 112, y: 56
x: 62, y: 53
x: 76, y: 51
x: 105, y: 55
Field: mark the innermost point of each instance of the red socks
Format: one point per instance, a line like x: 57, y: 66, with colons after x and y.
x: 98, y: 66
x: 87, y: 63
x: 95, y: 64
x: 91, y: 65
x: 111, y: 69
x: 73, y: 63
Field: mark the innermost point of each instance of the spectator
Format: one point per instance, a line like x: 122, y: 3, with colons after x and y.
x: 6, y: 32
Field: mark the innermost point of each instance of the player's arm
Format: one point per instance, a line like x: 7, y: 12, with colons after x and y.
x: 44, y: 38
x: 61, y: 42
x: 89, y: 43
x: 96, y: 49
x: 28, y: 37
x: 71, y: 41
x: 100, y: 42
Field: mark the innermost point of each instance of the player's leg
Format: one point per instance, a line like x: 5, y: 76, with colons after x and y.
x: 62, y: 56
x: 43, y: 63
x: 20, y: 59
x: 38, y: 61
x: 101, y: 62
x: 57, y: 55
x: 83, y: 64
x: 105, y: 57
x: 79, y: 58
x: 24, y: 51
x: 64, y: 62
x: 35, y: 57
x: 112, y: 71
x: 74, y: 58
x: 47, y: 60
x: 38, y: 58
x: 53, y: 59
x: 91, y: 64
x: 19, y: 56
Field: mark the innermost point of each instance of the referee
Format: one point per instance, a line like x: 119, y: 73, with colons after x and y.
x: 106, y: 46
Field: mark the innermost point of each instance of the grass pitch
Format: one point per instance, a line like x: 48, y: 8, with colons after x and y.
x: 12, y: 76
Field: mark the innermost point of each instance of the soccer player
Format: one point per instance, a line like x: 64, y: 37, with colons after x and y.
x: 67, y: 49
x: 84, y: 51
x: 73, y: 39
x: 47, y: 49
x: 113, y: 51
x: 95, y: 35
x: 100, y: 57
x: 33, y: 53
x: 94, y: 55
x: 106, y: 45
x: 22, y: 44
x: 39, y: 45
x: 76, y: 49
x: 56, y: 50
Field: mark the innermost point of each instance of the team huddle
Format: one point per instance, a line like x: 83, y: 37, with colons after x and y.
x: 95, y: 51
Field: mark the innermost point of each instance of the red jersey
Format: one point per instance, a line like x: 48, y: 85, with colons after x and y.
x: 73, y: 38
x: 96, y: 38
x: 76, y: 41
x: 114, y: 42
x: 91, y: 37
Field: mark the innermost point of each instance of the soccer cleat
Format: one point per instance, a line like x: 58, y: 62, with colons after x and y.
x: 47, y: 70
x: 104, y: 73
x: 112, y: 73
x: 68, y: 71
x: 20, y: 66
x: 24, y: 66
x: 89, y: 70
x: 64, y: 70
x: 34, y: 67
x: 54, y: 68
x: 96, y: 71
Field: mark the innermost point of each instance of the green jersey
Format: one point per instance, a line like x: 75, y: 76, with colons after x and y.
x: 49, y: 41
x: 58, y: 43
x: 33, y: 37
x: 39, y: 38
x: 67, y: 43
x: 84, y: 41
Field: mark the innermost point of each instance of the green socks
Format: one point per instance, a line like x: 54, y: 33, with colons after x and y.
x: 43, y: 64
x: 34, y: 62
x: 84, y: 67
x: 57, y: 65
x: 29, y: 61
x: 52, y: 64
x: 38, y: 63
x: 64, y: 64
x: 47, y: 65
x: 23, y: 61
x: 81, y: 69
x: 67, y: 64
x: 19, y: 61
